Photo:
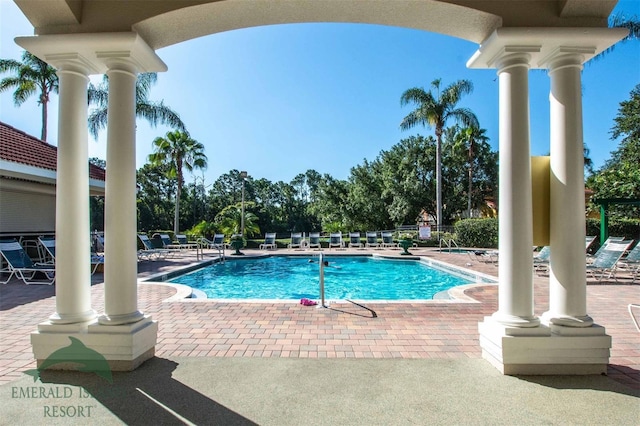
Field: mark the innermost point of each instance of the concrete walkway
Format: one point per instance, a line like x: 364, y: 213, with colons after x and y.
x: 281, y: 391
x: 283, y: 363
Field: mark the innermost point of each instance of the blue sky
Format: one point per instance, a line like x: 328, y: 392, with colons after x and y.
x: 279, y: 100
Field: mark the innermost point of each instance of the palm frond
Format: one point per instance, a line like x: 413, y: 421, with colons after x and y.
x: 620, y: 21
x: 415, y: 95
x: 97, y: 120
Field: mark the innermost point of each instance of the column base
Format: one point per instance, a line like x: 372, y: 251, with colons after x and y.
x: 549, y: 319
x: 83, y: 317
x: 129, y: 318
x: 80, y: 346
x: 545, y: 350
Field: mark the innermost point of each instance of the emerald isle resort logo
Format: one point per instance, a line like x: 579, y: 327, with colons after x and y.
x: 86, y: 359
x: 89, y: 360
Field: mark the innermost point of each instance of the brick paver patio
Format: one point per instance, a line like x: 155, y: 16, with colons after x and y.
x: 205, y: 328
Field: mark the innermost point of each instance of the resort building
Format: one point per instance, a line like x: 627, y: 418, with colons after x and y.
x: 87, y: 37
x: 28, y: 184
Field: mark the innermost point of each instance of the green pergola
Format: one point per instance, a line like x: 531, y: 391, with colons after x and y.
x: 604, y: 204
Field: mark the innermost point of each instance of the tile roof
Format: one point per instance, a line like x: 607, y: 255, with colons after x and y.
x: 19, y: 147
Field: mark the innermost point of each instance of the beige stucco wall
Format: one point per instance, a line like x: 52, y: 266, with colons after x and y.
x: 27, y: 209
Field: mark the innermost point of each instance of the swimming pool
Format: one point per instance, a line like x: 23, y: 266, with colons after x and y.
x: 288, y: 277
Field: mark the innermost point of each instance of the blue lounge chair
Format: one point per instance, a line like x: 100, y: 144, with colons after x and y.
x: 631, y: 262
x: 606, y: 261
x: 149, y: 252
x: 541, y: 259
x: 49, y: 246
x: 20, y: 264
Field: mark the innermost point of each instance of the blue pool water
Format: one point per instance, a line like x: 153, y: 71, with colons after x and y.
x: 356, y: 278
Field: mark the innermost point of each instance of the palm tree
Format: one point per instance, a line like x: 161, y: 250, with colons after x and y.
x: 177, y: 150
x: 31, y: 76
x: 433, y: 110
x: 230, y: 219
x: 469, y: 136
x: 153, y: 112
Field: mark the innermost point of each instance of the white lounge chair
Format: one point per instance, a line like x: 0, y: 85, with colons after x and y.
x: 354, y: 240
x: 335, y: 240
x: 314, y: 240
x: 269, y: 242
x: 296, y: 240
x: 372, y: 240
x: 387, y: 240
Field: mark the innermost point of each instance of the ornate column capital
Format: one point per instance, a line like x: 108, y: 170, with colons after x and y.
x: 566, y: 57
x: 97, y: 53
x: 544, y: 44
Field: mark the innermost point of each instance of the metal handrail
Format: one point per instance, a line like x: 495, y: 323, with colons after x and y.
x: 321, y: 262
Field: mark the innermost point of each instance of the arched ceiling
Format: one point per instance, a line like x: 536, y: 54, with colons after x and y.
x: 162, y: 23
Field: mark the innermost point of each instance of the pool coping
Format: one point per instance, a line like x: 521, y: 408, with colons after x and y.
x: 455, y: 294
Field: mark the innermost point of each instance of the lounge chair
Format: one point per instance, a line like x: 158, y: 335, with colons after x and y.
x: 20, y: 264
x: 314, y: 240
x: 149, y: 252
x: 387, y: 240
x: 296, y: 240
x: 269, y: 242
x: 631, y: 263
x: 335, y: 240
x: 591, y: 257
x: 184, y: 243
x: 168, y: 244
x: 354, y: 240
x: 588, y: 241
x: 217, y: 242
x: 541, y: 259
x: 372, y: 240
x: 605, y: 262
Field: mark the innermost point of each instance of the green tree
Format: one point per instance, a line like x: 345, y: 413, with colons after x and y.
x: 368, y: 201
x: 155, y: 190
x: 619, y: 177
x: 330, y: 205
x: 153, y: 112
x: 434, y: 110
x: 179, y: 152
x: 409, y: 179
x: 31, y: 76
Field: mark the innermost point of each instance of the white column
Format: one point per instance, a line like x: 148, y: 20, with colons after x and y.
x: 515, y: 297
x: 120, y: 272
x: 73, y: 251
x: 567, y: 277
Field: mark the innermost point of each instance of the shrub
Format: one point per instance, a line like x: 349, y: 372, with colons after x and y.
x: 620, y: 227
x: 477, y: 233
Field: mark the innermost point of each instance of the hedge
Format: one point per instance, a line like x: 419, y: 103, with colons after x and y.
x: 477, y: 233
x: 629, y: 228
